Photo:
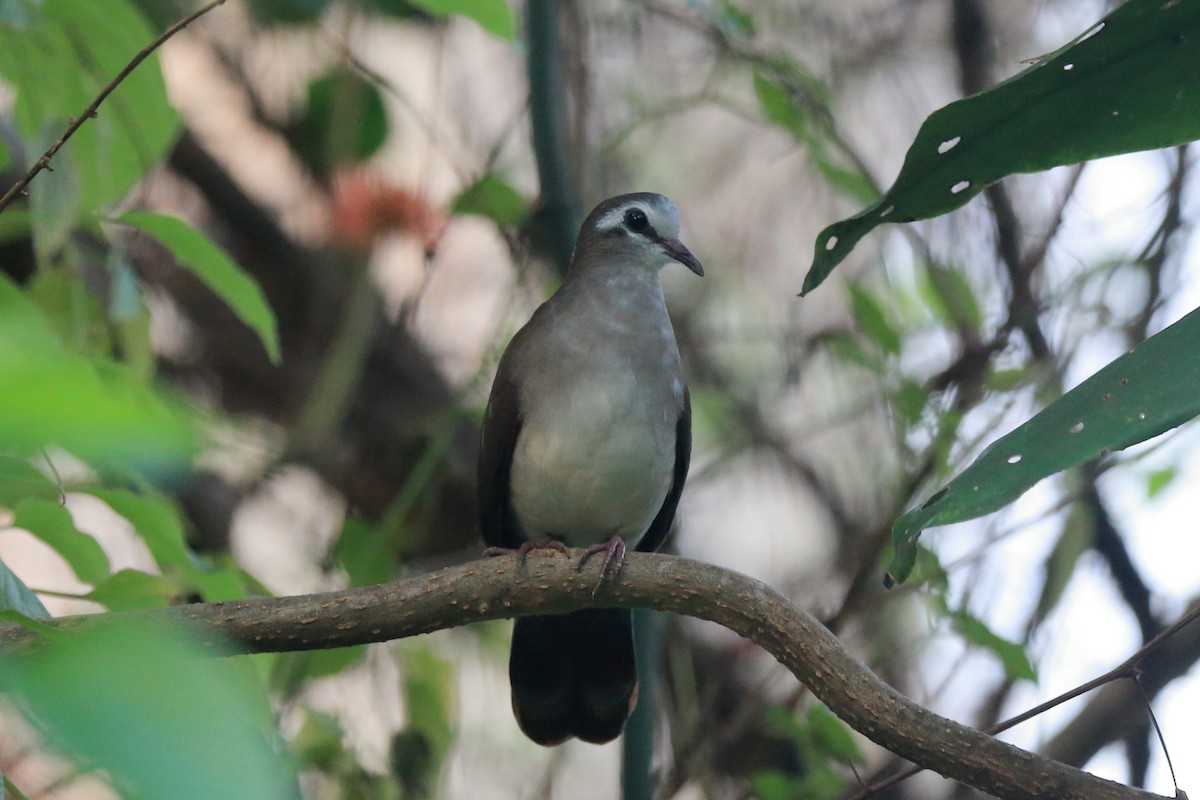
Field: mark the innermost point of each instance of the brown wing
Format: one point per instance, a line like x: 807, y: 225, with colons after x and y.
x: 656, y: 534
x: 501, y: 426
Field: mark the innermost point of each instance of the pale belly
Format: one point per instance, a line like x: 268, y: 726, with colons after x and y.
x: 596, y: 466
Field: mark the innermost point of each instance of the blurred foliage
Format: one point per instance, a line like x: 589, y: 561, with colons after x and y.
x: 823, y: 742
x: 494, y: 16
x: 192, y: 250
x: 419, y: 748
x: 77, y: 48
x: 77, y: 379
x: 160, y: 715
x: 85, y: 402
x: 494, y: 198
x: 80, y: 382
x: 344, y: 122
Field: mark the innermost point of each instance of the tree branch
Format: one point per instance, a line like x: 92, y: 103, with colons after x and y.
x: 549, y: 583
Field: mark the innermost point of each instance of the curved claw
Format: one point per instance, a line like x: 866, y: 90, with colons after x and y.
x: 614, y: 559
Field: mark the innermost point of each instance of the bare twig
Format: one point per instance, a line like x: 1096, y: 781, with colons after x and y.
x: 91, y: 111
x: 1129, y: 668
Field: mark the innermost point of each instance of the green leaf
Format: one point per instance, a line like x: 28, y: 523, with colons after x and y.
x: 70, y: 310
x: 91, y: 407
x: 344, y: 122
x: 362, y: 551
x: 52, y: 523
x: 155, y: 522
x: 16, y: 596
x: 494, y: 198
x: 14, y: 223
x: 1005, y: 380
x: 773, y: 785
x: 1158, y: 480
x: 1145, y: 392
x: 852, y: 181
x: 129, y: 589
x: 427, y: 696
x: 954, y: 298
x: 909, y: 400
x: 56, y: 207
x: 320, y: 741
x: 291, y: 672
x: 494, y: 16
x: 196, y: 252
x: 872, y: 318
x: 19, y: 481
x: 57, y: 56
x: 413, y: 763
x: 732, y: 19
x: 778, y: 107
x: 1127, y: 84
x: 790, y: 98
x: 930, y: 572
x: 396, y: 9
x: 155, y: 711
x: 159, y: 524
x: 1076, y: 538
x: 288, y: 12
x: 1011, y: 655
x: 818, y: 782
x: 833, y: 736
x: 850, y: 348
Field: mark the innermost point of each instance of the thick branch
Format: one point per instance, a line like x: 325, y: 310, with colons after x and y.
x: 548, y: 583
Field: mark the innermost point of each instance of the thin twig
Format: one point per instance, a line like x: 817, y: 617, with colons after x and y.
x: 1126, y: 669
x: 91, y: 111
x: 1162, y: 741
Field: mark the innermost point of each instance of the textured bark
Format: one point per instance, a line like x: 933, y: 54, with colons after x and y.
x: 548, y: 582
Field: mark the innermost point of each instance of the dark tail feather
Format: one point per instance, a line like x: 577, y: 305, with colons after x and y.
x: 573, y: 675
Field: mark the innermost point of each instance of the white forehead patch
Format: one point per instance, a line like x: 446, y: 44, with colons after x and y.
x: 661, y: 213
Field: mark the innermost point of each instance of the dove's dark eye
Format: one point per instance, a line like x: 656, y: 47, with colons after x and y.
x: 635, y: 220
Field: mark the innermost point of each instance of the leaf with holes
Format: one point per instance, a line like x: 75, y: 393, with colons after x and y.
x: 1144, y: 393
x: 1126, y: 84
